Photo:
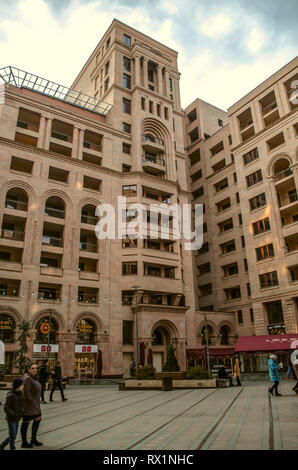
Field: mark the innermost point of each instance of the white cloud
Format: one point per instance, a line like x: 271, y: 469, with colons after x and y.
x: 255, y: 40
x: 217, y: 27
x: 170, y: 6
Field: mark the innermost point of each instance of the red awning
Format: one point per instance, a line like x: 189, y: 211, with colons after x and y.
x: 267, y: 343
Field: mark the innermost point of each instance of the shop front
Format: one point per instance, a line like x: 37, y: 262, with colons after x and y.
x: 45, y: 345
x: 254, y: 351
x: 7, y: 333
x: 87, y: 363
x: 220, y: 356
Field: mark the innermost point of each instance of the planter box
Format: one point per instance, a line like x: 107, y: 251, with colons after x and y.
x: 174, y: 375
x: 133, y: 384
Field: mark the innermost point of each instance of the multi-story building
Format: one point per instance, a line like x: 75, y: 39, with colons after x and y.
x: 63, y: 153
x: 245, y: 172
x: 119, y: 131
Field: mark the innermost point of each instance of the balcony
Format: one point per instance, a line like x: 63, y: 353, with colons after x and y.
x: 154, y: 163
x: 90, y: 247
x: 9, y: 288
x: 49, y: 293
x: 52, y: 241
x: 88, y: 296
x: 283, y: 174
x: 11, y: 234
x: 15, y: 204
x: 56, y: 212
x: 153, y: 143
x: 51, y: 271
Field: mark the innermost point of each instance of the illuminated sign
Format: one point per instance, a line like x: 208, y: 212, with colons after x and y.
x: 86, y: 348
x: 43, y: 348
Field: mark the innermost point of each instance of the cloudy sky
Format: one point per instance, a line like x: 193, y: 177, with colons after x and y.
x: 226, y: 47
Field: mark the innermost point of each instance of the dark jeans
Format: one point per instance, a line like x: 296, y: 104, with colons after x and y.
x: 59, y: 385
x: 43, y: 387
x: 238, y: 380
x: 274, y: 387
x: 12, y: 431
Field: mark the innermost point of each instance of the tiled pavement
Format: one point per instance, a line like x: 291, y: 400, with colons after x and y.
x: 232, y: 418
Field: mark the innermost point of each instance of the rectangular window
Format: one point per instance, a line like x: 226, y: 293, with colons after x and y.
x: 254, y: 178
x: 220, y: 123
x: 239, y: 316
x: 221, y: 185
x: 192, y: 116
x: 257, y: 201
x: 225, y: 225
x: 166, y: 113
x: 195, y: 157
x: 143, y: 103
x: 126, y: 148
x: 242, y: 241
x: 20, y: 164
x: 127, y: 332
x: 250, y: 156
x: 150, y: 106
x: 126, y: 127
x: 106, y: 84
x: 57, y: 174
x: 248, y: 289
x: 199, y: 192
x: 127, y: 297
x: 235, y: 177
x: 126, y: 168
x: 251, y: 312
x: 92, y: 183
x: 230, y: 139
x: 204, y: 268
x: 129, y: 268
x: 237, y: 198
x: 107, y: 66
x: 126, y: 40
x: 266, y: 251
x: 228, y: 247
x: 126, y: 81
x: 158, y: 110
x: 240, y: 219
x: 196, y: 176
x: 268, y: 279
x: 274, y: 312
x: 126, y: 106
x: 204, y: 248
x: 130, y: 190
x: 245, y: 265
x: 126, y: 64
x: 261, y: 226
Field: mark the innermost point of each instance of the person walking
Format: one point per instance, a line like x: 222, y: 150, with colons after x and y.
x: 43, y: 374
x: 237, y: 370
x: 14, y: 409
x: 274, y: 375
x: 56, y: 375
x: 295, y: 372
x: 32, y: 411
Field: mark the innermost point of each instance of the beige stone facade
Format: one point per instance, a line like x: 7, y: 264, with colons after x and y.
x: 61, y: 158
x: 245, y: 172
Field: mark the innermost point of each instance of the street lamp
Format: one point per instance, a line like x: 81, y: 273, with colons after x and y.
x: 136, y: 289
x: 207, y: 346
x: 50, y: 321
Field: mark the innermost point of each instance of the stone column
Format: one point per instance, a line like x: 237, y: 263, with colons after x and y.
x: 42, y: 131
x: 75, y: 143
x: 80, y: 144
x: 159, y: 79
x: 145, y: 67
x: 167, y: 76
x: 137, y: 70
x: 48, y: 133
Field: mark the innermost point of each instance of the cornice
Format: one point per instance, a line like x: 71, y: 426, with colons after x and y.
x: 160, y: 308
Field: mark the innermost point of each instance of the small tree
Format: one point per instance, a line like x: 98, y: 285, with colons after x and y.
x: 171, y: 364
x: 20, y: 359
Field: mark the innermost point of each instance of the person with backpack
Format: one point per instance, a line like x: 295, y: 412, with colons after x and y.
x: 14, y: 409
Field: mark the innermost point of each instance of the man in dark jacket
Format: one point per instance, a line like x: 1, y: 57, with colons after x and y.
x: 43, y: 374
x: 14, y: 409
x: 57, y: 379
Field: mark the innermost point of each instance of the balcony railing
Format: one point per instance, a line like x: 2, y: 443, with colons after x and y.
x: 53, y: 212
x: 60, y: 136
x: 154, y: 159
x: 91, y: 247
x: 16, y: 205
x: 93, y: 146
x: 283, y: 174
x: 52, y: 241
x: 153, y: 138
x: 88, y: 298
x: 269, y: 107
x: 53, y: 295
x: 29, y: 126
x: 89, y: 219
x: 12, y: 234
x: 289, y: 200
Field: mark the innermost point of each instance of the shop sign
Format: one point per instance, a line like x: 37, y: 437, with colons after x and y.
x: 86, y: 348
x: 43, y: 348
x: 6, y: 324
x: 45, y: 328
x: 278, y: 329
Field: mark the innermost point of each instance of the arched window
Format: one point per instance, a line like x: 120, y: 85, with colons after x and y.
x: 204, y: 334
x: 157, y: 338
x: 85, y: 332
x: 55, y: 207
x: 88, y: 215
x: 7, y: 327
x: 224, y: 334
x: 281, y: 169
x: 16, y: 198
x: 43, y: 328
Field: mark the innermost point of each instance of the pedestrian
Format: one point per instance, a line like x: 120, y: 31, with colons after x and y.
x: 14, y: 409
x: 32, y: 411
x: 289, y: 366
x: 132, y: 367
x: 237, y: 370
x: 56, y: 375
x: 274, y: 375
x: 43, y: 374
x: 295, y: 372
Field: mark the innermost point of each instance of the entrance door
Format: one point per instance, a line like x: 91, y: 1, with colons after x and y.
x: 126, y: 362
x: 85, y: 365
x: 157, y: 361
